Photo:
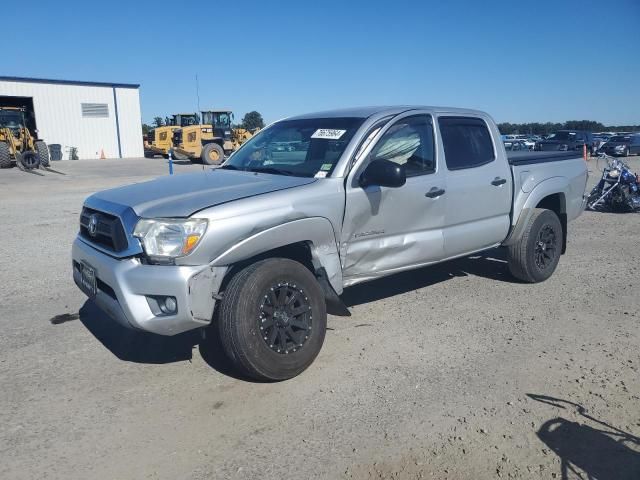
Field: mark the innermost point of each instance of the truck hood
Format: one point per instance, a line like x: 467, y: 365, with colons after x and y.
x: 184, y: 195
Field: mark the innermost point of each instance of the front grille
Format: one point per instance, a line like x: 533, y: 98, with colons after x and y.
x: 109, y: 232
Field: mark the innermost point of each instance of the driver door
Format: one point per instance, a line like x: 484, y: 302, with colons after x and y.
x: 391, y: 229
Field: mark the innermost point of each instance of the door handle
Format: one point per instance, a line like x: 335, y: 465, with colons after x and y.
x: 434, y: 192
x: 498, y: 181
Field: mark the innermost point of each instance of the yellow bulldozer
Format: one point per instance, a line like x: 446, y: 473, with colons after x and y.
x: 160, y: 140
x: 211, y: 140
x: 18, y: 144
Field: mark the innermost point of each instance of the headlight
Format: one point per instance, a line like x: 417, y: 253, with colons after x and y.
x: 614, y: 173
x: 170, y: 238
x: 619, y: 147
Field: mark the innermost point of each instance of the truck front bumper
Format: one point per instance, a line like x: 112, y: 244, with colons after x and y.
x: 126, y: 289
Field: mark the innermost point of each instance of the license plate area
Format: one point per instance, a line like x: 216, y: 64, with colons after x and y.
x: 88, y: 279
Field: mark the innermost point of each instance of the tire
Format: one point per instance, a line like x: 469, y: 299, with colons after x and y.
x: 534, y: 257
x: 29, y: 160
x: 43, y: 153
x: 212, y: 154
x: 262, y: 351
x: 626, y: 152
x: 5, y: 156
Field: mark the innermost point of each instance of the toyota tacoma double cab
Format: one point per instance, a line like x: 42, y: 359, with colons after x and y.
x: 259, y: 250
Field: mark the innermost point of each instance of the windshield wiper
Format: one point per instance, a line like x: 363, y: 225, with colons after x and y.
x: 276, y: 171
x: 229, y: 167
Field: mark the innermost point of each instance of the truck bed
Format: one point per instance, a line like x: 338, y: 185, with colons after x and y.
x: 531, y: 157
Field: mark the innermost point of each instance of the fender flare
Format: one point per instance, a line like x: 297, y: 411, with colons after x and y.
x: 218, y: 140
x: 317, y: 232
x: 551, y: 186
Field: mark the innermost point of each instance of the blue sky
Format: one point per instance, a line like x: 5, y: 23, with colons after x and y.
x: 520, y: 61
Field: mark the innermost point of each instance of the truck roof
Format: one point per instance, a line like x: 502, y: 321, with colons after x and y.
x: 365, y: 112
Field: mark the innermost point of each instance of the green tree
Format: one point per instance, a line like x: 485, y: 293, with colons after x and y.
x: 158, y: 122
x: 588, y: 125
x: 146, y: 128
x: 252, y: 120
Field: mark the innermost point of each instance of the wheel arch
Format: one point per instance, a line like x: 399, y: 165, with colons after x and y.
x: 310, y: 241
x: 549, y: 194
x: 218, y: 140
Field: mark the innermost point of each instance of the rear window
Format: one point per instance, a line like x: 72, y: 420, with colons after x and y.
x: 467, y: 142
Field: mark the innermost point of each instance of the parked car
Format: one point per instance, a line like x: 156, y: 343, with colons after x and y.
x: 622, y: 145
x: 515, y: 145
x: 599, y: 141
x: 260, y: 249
x: 565, y: 140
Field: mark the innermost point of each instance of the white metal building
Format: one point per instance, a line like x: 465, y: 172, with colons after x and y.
x: 94, y: 117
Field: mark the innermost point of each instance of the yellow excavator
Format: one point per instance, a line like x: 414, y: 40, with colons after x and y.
x: 211, y: 140
x: 18, y: 144
x: 160, y: 140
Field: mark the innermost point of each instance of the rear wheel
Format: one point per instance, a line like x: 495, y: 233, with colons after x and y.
x: 5, y: 156
x: 535, y: 256
x: 212, y: 154
x: 43, y: 153
x: 273, y: 319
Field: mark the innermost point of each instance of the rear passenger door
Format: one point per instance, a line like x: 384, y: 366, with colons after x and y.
x: 479, y: 186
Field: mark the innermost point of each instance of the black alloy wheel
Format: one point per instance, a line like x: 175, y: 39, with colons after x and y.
x: 285, y: 319
x: 546, y: 247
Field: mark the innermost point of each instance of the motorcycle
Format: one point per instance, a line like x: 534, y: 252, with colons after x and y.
x: 618, y: 190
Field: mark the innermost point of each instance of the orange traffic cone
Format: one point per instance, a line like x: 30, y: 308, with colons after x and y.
x: 102, y: 157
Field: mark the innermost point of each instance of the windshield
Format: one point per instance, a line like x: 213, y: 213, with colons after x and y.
x: 10, y: 119
x: 563, y: 136
x: 619, y: 138
x: 303, y: 148
x: 186, y: 120
x: 217, y: 119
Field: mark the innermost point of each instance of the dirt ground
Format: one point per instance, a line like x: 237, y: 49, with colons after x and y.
x: 455, y: 371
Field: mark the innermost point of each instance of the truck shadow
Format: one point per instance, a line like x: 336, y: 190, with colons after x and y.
x: 144, y: 347
x: 491, y: 264
x: 137, y: 346
x: 602, y: 451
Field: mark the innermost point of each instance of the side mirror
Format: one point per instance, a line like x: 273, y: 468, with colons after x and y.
x: 383, y: 173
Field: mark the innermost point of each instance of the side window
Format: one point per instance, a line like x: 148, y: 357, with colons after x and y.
x: 467, y: 142
x: 408, y: 142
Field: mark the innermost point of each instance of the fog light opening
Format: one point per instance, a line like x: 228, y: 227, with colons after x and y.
x: 168, y: 305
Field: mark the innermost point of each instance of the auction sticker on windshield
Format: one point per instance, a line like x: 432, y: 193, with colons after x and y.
x: 328, y: 133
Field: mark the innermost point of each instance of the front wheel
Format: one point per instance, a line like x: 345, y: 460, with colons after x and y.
x: 5, y: 155
x: 535, y: 256
x: 273, y: 319
x: 212, y: 154
x: 595, y: 194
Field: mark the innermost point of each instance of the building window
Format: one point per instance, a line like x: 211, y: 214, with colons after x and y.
x: 95, y: 110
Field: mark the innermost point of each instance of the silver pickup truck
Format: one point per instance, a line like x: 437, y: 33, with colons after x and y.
x: 260, y: 249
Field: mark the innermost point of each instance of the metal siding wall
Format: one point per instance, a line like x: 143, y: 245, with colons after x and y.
x: 59, y: 117
x: 130, y: 122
